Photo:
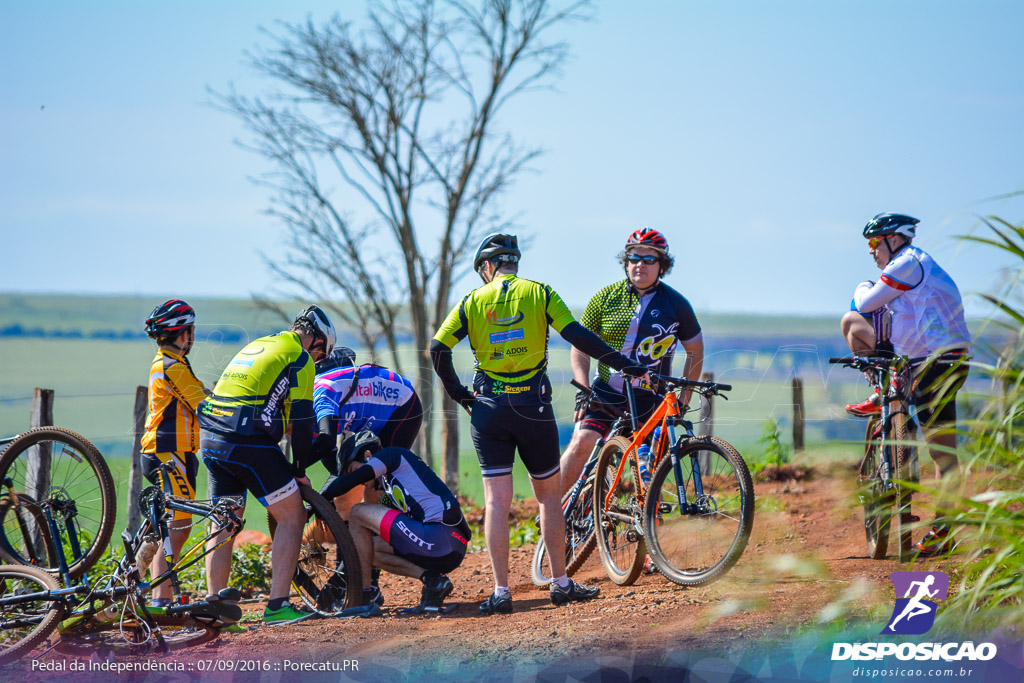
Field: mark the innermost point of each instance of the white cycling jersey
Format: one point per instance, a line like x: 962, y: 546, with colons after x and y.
x: 927, y: 311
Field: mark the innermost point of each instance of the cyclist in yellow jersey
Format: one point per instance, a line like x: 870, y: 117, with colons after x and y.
x: 506, y: 321
x: 265, y: 388
x: 172, y: 434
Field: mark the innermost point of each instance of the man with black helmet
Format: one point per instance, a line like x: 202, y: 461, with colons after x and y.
x: 411, y: 523
x: 506, y: 321
x: 646, y: 320
x: 927, y: 320
x: 266, y: 389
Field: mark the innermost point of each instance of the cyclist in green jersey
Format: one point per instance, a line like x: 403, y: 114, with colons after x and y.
x: 265, y: 390
x: 506, y: 321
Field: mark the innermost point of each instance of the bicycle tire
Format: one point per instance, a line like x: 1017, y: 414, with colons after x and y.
x: 620, y: 542
x: 696, y: 547
x: 328, y: 579
x: 16, y: 640
x: 871, y: 491
x: 29, y: 525
x: 579, y: 537
x: 904, y: 452
x: 79, y: 480
x: 99, y: 637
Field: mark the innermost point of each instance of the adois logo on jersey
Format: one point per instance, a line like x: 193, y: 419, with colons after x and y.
x: 492, y: 318
x: 914, y: 614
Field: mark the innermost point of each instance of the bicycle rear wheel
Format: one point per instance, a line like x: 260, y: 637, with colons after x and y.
x: 134, y: 636
x: 328, y: 577
x: 903, y: 432
x: 26, y: 538
x: 695, y: 537
x: 579, y: 537
x: 23, y: 625
x: 59, y: 469
x: 871, y: 491
x: 618, y: 524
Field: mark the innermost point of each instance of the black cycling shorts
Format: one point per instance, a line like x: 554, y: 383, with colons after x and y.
x: 936, y: 406
x: 499, y: 429
x: 430, y: 545
x: 235, y: 468
x: 601, y: 422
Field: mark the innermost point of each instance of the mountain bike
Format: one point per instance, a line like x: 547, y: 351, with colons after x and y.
x: 577, y: 504
x: 890, y: 458
x: 111, y: 614
x: 696, y: 515
x: 60, y: 470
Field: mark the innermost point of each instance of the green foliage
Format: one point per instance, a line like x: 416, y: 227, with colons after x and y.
x: 773, y: 452
x: 250, y: 569
x: 525, y: 532
x: 989, y: 525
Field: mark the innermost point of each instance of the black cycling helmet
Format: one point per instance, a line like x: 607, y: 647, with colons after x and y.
x: 357, y: 444
x: 320, y: 325
x: 170, y: 318
x: 891, y: 224
x: 500, y: 246
x: 341, y: 357
x: 648, y: 237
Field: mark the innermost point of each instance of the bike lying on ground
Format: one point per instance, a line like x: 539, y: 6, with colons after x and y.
x: 577, y: 504
x: 696, y: 514
x: 111, y: 614
x: 890, y: 457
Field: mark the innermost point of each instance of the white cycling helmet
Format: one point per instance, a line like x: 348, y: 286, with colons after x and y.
x: 321, y: 326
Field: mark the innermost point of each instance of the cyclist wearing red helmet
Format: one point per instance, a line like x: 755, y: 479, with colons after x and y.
x: 645, y: 319
x: 172, y: 433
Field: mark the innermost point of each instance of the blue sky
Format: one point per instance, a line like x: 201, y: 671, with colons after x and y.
x: 760, y: 137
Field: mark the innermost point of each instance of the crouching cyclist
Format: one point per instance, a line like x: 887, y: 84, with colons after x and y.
x: 411, y: 523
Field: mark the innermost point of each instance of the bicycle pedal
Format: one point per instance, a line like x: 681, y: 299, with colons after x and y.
x: 632, y: 536
x: 664, y: 508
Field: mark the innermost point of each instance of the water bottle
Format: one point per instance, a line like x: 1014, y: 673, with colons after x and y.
x: 147, y: 551
x: 643, y: 456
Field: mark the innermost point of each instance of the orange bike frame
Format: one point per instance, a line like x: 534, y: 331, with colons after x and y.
x: 669, y: 408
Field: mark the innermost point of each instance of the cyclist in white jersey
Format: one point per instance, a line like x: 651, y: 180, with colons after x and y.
x: 927, y: 320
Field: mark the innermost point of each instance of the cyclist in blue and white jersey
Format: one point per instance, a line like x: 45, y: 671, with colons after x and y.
x: 927, y: 320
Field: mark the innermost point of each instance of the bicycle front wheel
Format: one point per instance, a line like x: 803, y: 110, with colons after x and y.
x: 871, y: 491
x: 618, y: 518
x: 696, y: 529
x: 579, y: 537
x: 903, y: 432
x: 60, y: 470
x: 328, y: 577
x: 26, y: 623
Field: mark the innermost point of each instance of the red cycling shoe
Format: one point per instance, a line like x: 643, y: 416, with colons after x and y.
x: 870, y: 406
x: 935, y: 542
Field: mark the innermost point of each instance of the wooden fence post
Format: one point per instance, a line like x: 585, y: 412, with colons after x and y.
x: 706, y: 426
x: 450, y: 442
x: 135, y: 472
x: 798, y: 414
x: 37, y: 478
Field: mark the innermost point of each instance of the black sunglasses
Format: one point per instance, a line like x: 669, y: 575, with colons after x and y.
x: 647, y: 260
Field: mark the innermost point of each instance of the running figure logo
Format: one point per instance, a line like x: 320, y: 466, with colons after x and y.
x: 914, y: 613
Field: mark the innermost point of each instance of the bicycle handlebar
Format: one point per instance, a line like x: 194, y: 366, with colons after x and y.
x: 712, y: 387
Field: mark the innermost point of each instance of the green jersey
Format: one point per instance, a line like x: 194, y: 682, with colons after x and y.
x: 507, y: 322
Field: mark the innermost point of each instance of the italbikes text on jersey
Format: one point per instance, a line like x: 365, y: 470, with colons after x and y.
x: 947, y: 652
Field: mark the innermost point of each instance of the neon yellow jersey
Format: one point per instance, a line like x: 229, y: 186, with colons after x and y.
x: 265, y: 385
x: 507, y: 322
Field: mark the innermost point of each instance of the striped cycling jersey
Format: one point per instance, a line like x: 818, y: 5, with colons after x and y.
x: 506, y: 321
x: 379, y: 392
x: 644, y: 328
x: 927, y: 311
x: 174, y: 394
x: 266, y: 385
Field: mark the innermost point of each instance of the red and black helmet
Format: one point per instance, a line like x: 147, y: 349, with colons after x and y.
x: 170, y: 318
x: 648, y: 237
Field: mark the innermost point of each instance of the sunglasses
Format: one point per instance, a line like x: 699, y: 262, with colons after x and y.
x: 647, y: 260
x: 875, y: 241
